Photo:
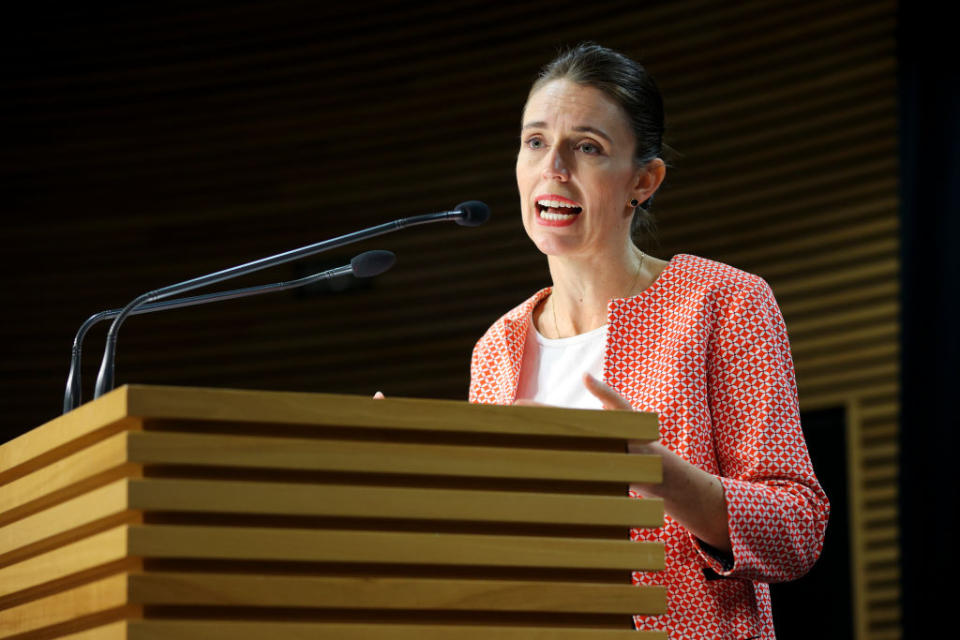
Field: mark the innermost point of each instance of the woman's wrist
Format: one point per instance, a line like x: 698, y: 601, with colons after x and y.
x: 691, y: 496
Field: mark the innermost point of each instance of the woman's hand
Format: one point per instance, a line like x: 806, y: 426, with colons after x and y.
x: 606, y: 394
x: 691, y: 496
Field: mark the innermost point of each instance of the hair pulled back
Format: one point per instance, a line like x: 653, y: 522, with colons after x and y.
x: 629, y: 85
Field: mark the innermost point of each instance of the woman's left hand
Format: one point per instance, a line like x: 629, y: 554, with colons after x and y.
x: 605, y: 394
x: 611, y: 399
x: 691, y: 496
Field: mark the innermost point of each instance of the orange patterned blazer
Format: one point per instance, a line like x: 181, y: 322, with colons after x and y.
x: 706, y: 348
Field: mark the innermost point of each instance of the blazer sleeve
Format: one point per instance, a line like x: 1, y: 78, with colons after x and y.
x: 777, y: 510
x: 491, y: 375
x: 478, y: 374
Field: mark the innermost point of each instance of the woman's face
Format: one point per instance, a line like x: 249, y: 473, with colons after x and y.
x: 575, y: 170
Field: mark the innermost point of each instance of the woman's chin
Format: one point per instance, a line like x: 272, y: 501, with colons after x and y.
x: 555, y: 245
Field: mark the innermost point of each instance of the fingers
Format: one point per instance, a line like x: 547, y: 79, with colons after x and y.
x: 378, y: 395
x: 606, y: 394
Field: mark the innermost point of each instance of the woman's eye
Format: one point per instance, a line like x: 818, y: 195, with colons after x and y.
x: 535, y: 143
x: 589, y: 148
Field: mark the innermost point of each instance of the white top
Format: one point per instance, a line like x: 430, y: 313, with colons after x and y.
x: 552, y: 369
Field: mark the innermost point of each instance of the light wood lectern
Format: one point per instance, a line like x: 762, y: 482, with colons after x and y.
x: 163, y: 512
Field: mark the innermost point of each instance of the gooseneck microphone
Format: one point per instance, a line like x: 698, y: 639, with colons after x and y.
x: 365, y: 265
x: 470, y: 214
x: 473, y: 213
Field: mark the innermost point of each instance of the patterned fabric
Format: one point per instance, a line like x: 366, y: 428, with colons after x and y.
x: 705, y: 347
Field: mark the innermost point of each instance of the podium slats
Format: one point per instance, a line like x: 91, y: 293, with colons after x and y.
x: 108, y: 505
x: 345, y: 501
x: 395, y: 547
x: 390, y: 593
x: 201, y: 630
x: 61, y: 436
x: 172, y: 513
x: 100, y: 597
x: 226, y: 405
x: 303, y: 454
x: 68, y: 520
x: 105, y: 548
x: 70, y: 475
x: 210, y: 590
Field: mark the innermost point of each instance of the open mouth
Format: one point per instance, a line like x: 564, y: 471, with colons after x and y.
x: 557, y: 209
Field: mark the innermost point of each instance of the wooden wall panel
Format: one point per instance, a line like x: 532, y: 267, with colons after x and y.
x: 153, y: 143
x: 794, y: 177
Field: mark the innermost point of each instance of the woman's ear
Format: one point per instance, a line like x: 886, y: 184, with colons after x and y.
x: 649, y: 179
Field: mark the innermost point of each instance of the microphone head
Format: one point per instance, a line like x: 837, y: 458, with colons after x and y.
x: 474, y: 213
x: 372, y: 263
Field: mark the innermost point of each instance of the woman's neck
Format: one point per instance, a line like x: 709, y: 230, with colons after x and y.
x: 582, y: 288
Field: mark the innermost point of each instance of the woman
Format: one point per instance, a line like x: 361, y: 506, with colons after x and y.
x: 700, y: 343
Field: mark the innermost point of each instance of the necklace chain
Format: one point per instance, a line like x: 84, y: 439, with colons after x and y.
x: 636, y: 279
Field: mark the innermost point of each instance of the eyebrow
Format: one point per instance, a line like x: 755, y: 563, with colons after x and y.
x: 581, y: 129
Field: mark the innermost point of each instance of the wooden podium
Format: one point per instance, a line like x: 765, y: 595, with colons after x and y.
x: 182, y: 513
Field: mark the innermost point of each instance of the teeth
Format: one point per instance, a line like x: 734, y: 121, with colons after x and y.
x: 556, y: 204
x: 546, y: 215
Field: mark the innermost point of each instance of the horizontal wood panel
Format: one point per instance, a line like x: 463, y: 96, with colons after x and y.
x: 124, y: 500
x: 393, y: 593
x: 90, y: 553
x: 227, y: 630
x: 57, y: 524
x: 67, y: 432
x: 374, y: 457
x: 63, y: 434
x: 100, y: 463
x: 385, y: 503
x: 90, y: 599
x: 300, y: 545
x: 123, y: 593
x: 393, y: 413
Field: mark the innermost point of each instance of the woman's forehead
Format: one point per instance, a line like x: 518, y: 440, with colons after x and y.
x: 562, y: 103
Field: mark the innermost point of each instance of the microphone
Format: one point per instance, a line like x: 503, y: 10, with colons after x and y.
x: 369, y: 264
x: 365, y: 265
x: 473, y: 213
x: 469, y: 213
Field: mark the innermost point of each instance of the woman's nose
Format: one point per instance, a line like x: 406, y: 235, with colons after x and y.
x: 556, y: 166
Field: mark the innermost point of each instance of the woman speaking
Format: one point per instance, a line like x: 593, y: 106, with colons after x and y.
x: 700, y: 343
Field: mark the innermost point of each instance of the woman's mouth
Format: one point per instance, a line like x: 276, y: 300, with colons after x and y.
x: 557, y: 209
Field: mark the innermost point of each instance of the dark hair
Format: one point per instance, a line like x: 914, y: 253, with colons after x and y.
x: 628, y: 84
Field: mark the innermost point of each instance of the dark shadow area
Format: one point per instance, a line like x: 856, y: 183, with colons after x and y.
x: 930, y: 283
x: 820, y: 604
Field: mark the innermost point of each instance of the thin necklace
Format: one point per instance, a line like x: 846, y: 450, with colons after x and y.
x: 636, y: 279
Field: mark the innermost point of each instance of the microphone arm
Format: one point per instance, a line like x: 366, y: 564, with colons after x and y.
x: 365, y: 265
x: 469, y: 213
x: 72, y: 396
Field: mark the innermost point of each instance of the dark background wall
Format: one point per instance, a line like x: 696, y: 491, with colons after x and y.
x: 147, y: 144
x: 930, y: 192
x: 153, y: 143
